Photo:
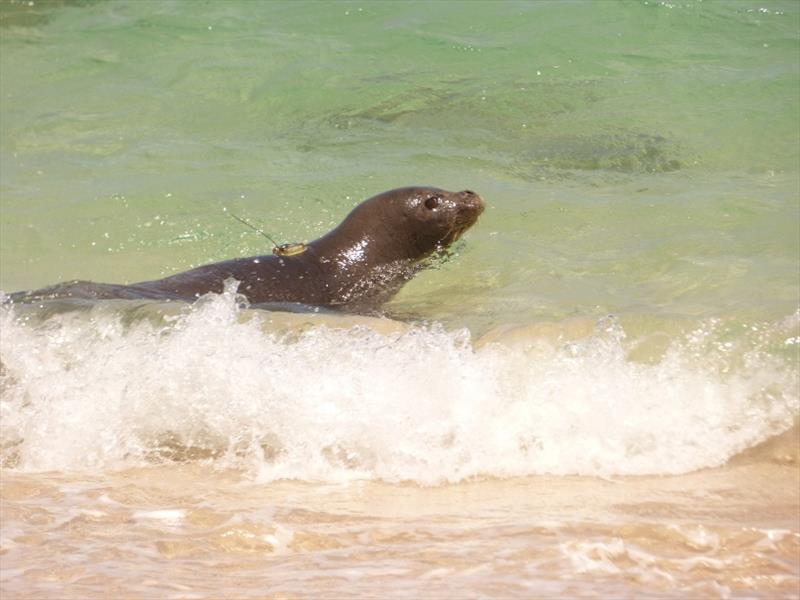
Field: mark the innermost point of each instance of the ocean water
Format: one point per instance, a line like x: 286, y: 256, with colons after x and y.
x: 596, y: 395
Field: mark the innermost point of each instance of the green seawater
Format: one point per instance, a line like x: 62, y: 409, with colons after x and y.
x: 637, y: 157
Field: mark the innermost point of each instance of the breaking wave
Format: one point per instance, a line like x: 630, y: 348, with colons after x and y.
x: 120, y: 384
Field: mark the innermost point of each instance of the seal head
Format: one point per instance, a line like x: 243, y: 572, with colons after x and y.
x: 403, y: 224
x: 383, y: 242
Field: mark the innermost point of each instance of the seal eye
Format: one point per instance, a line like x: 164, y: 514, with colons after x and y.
x: 432, y: 202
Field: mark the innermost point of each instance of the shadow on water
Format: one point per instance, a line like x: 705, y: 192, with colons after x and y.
x: 533, y: 132
x: 28, y: 13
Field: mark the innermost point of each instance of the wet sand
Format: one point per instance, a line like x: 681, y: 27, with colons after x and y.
x: 188, y: 531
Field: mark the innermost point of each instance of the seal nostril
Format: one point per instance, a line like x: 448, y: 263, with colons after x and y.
x: 469, y: 193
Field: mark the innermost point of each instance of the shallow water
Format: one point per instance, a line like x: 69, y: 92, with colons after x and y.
x: 596, y: 396
x: 187, y: 532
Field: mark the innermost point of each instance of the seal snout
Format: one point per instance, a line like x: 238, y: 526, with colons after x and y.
x: 472, y: 202
x: 469, y: 207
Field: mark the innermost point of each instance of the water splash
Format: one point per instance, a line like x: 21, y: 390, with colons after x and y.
x: 97, y: 389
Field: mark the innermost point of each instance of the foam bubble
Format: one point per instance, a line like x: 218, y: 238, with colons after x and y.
x: 96, y: 389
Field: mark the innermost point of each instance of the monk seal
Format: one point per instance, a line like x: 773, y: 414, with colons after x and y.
x: 357, y: 266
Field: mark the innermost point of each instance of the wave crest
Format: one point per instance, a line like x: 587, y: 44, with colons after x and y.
x: 120, y: 384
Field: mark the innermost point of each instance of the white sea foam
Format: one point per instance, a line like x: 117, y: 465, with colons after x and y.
x: 87, y: 390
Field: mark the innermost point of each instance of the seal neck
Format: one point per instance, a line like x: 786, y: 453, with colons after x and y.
x: 359, y: 270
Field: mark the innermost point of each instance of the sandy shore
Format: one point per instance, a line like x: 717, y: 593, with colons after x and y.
x: 187, y: 531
